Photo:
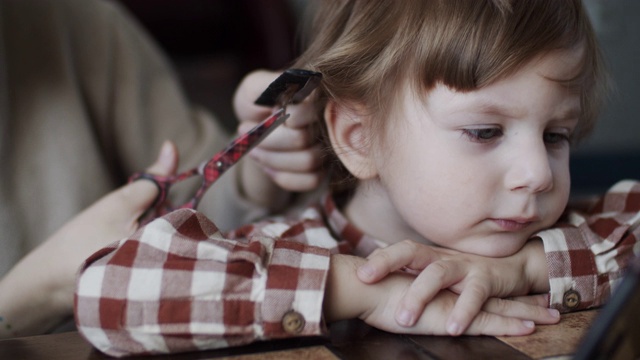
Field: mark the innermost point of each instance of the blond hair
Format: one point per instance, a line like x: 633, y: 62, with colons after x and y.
x: 366, y: 49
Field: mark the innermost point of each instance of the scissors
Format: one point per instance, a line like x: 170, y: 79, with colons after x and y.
x: 292, y: 86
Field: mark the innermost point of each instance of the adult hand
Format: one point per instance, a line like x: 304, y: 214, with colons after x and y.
x: 37, y: 294
x: 290, y: 156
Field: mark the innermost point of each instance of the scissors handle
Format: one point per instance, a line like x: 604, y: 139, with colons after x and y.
x: 291, y: 86
x: 210, y: 170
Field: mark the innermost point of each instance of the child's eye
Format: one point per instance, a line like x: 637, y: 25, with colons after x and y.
x: 482, y: 135
x: 553, y: 138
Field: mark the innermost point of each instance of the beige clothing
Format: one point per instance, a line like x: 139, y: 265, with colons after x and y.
x: 86, y: 99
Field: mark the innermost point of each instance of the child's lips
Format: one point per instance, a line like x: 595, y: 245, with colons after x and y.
x: 513, y: 224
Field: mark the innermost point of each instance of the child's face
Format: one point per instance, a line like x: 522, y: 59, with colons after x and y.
x: 482, y: 171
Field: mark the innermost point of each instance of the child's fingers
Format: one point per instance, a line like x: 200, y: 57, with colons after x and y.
x: 497, y: 325
x: 466, y: 310
x: 539, y: 314
x: 435, y: 277
x: 432, y: 321
x: 539, y: 300
x: 467, y: 307
x: 395, y: 257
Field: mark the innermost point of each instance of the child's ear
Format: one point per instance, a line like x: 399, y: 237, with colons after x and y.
x: 348, y: 127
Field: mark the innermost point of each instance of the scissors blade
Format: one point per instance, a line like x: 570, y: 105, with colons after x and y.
x: 293, y: 85
x: 301, y: 81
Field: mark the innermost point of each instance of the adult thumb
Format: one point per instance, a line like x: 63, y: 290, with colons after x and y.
x: 167, y: 161
x: 141, y: 193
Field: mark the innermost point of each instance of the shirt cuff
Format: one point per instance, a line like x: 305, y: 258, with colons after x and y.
x: 294, y: 291
x: 573, y: 276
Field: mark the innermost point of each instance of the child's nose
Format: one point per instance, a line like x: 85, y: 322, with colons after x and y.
x: 530, y: 169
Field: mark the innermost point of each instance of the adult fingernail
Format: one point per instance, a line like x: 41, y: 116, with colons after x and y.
x: 166, y: 154
x: 405, y: 318
x: 528, y: 324
x: 255, y: 154
x: 269, y: 171
x: 554, y: 313
x: 366, y: 271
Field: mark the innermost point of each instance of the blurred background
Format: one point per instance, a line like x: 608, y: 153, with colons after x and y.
x: 214, y: 43
x: 613, y: 152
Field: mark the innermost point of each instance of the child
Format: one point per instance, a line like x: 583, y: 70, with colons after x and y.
x: 454, y: 119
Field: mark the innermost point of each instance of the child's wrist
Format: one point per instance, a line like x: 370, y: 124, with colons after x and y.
x: 342, y: 298
x: 536, y: 270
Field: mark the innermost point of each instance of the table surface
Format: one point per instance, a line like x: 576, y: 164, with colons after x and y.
x: 348, y: 340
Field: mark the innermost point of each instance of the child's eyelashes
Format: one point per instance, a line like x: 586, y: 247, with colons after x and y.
x: 482, y: 135
x: 487, y: 135
x: 556, y: 138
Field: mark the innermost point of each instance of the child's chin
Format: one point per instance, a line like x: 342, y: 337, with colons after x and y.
x: 498, y: 247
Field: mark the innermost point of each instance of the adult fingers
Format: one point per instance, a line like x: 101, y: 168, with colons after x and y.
x: 293, y: 181
x: 116, y: 214
x: 250, y: 88
x: 289, y: 161
x: 283, y: 138
x: 140, y: 194
x: 302, y: 114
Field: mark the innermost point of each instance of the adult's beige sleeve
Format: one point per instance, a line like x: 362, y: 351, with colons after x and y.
x: 86, y: 99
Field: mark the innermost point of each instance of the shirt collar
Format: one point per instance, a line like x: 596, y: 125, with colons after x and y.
x: 357, y: 241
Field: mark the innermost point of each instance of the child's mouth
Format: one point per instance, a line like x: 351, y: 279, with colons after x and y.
x: 513, y: 224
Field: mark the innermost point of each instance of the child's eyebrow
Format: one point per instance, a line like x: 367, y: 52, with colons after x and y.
x: 490, y: 107
x: 572, y: 113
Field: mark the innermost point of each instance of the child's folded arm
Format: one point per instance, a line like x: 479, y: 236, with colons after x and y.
x: 179, y: 285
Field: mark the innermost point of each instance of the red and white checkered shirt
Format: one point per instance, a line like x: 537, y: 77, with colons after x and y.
x: 178, y: 284
x: 588, y: 252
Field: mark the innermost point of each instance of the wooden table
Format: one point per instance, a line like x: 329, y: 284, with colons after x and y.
x: 349, y: 340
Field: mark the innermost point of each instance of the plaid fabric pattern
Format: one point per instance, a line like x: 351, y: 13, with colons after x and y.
x: 588, y: 252
x: 178, y: 284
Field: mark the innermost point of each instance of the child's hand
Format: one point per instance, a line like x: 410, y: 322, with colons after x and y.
x: 475, y: 278
x: 346, y: 297
x: 290, y: 156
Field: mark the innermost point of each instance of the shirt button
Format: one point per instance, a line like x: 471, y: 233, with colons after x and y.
x: 571, y: 299
x: 293, y: 322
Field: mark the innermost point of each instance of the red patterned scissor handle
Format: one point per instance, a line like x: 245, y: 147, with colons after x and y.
x: 212, y: 169
x: 294, y: 84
